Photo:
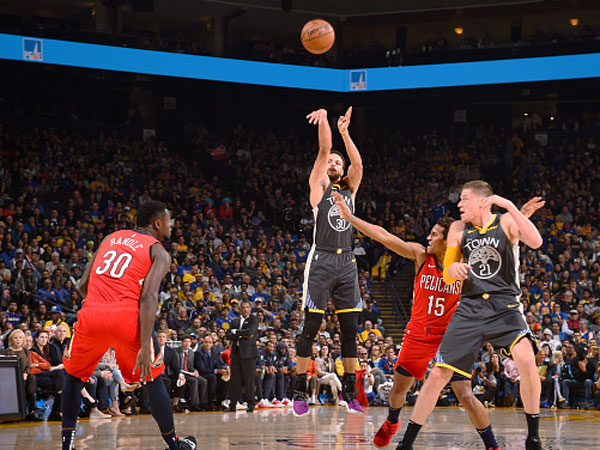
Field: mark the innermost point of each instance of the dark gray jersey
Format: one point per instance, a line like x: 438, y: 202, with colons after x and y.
x: 493, y: 258
x: 331, y: 230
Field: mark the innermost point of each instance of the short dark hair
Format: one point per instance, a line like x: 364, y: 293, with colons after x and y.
x: 149, y: 211
x: 445, y: 223
x: 340, y: 155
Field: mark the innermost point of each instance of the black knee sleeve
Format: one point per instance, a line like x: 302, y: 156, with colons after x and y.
x: 349, y: 328
x: 312, y: 323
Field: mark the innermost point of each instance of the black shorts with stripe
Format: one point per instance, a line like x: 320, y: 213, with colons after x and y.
x: 331, y: 273
x: 498, y: 319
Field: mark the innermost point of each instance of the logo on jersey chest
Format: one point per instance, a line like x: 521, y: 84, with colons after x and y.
x: 484, y: 257
x: 435, y: 283
x: 333, y: 215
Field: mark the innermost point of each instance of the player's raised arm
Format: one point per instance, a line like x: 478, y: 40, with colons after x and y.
x: 529, y: 208
x: 318, y: 176
x: 410, y: 250
x: 519, y: 226
x: 161, y: 262
x: 355, y: 171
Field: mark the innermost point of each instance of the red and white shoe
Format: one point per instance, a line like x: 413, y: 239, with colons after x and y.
x: 264, y: 403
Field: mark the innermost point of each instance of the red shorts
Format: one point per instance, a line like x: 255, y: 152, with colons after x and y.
x: 419, y: 347
x: 100, y: 327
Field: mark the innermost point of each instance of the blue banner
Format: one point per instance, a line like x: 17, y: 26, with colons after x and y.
x: 92, y: 56
x: 122, y: 59
x: 547, y: 68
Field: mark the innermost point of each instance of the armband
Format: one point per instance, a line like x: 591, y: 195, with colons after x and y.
x: 453, y: 254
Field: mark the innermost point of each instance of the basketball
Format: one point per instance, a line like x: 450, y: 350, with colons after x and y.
x: 317, y: 36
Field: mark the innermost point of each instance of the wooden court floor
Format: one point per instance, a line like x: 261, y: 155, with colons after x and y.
x: 322, y: 429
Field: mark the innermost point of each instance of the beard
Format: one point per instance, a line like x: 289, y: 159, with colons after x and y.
x: 333, y: 177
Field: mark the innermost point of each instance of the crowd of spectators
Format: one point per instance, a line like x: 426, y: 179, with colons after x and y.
x: 439, y: 42
x: 242, y: 233
x: 165, y: 40
x: 475, y: 47
x: 435, y: 49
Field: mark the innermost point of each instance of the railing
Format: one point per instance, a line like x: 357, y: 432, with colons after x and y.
x: 392, y: 281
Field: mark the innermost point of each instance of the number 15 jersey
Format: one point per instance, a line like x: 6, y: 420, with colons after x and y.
x: 434, y: 301
x: 119, y: 269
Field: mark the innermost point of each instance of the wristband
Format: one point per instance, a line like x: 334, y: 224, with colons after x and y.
x: 344, y: 132
x: 352, y: 217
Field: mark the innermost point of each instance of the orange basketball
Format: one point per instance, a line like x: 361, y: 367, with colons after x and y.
x: 317, y: 36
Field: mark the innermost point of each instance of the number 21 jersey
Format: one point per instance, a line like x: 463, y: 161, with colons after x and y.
x: 119, y: 269
x: 493, y: 258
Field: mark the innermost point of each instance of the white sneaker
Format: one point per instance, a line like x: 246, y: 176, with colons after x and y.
x: 342, y: 403
x: 240, y: 407
x: 264, y: 403
x: 96, y: 414
x: 225, y: 403
x: 276, y: 403
x: 286, y: 402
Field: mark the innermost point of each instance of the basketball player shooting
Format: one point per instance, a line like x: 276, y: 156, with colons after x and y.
x: 331, y: 270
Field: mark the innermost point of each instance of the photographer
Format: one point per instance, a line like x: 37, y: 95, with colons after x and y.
x: 484, y: 382
x: 368, y: 381
x: 260, y: 308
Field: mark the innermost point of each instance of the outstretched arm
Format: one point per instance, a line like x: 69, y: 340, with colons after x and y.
x: 410, y: 250
x: 519, y: 227
x: 355, y: 171
x: 318, y: 175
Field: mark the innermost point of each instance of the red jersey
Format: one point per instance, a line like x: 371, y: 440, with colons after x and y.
x: 119, y: 269
x: 434, y: 301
